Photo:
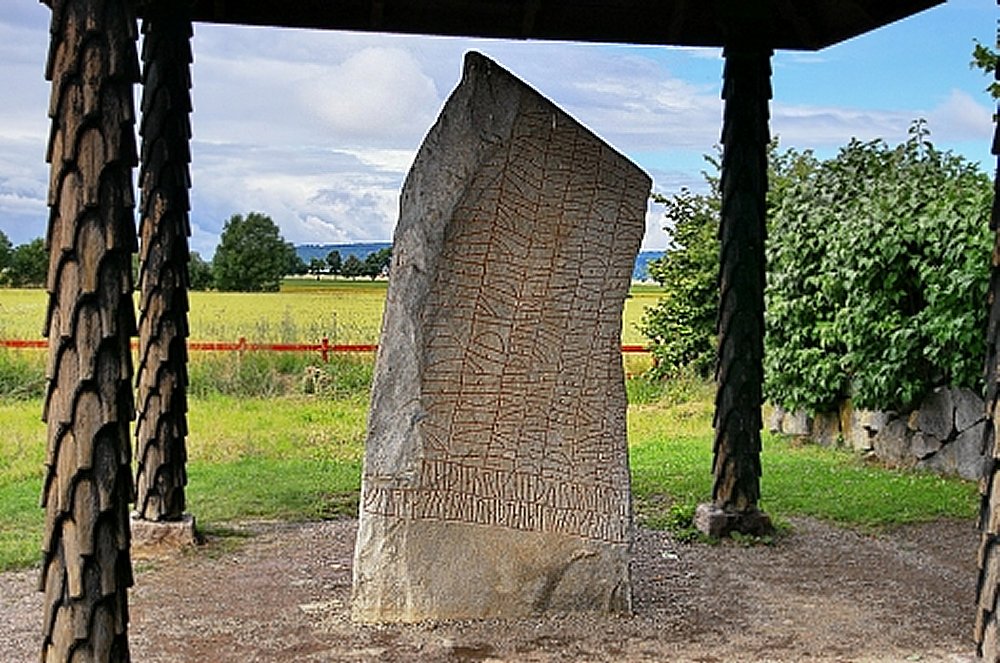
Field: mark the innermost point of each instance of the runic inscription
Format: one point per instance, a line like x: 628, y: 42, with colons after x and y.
x: 522, y: 375
x: 499, y: 401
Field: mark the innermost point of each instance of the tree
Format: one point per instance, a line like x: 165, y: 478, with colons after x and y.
x: 199, y: 272
x: 252, y: 255
x: 29, y: 264
x: 6, y: 252
x: 681, y: 325
x: 334, y: 262
x: 317, y: 267
x: 986, y: 59
x: 352, y: 267
x: 296, y: 265
x: 377, y: 263
x: 876, y: 276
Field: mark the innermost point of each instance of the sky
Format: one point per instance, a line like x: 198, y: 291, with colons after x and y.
x: 318, y: 129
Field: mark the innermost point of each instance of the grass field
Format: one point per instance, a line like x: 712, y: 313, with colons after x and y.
x: 282, y: 436
x: 305, y: 311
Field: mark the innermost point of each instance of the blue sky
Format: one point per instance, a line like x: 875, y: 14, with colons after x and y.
x: 317, y: 129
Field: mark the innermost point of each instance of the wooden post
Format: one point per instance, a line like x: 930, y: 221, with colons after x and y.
x: 86, y: 565
x: 739, y: 369
x: 164, y: 180
x: 987, y: 625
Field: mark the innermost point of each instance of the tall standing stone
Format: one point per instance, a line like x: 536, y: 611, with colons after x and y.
x: 496, y: 469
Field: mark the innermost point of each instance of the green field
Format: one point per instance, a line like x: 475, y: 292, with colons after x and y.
x: 281, y: 436
x: 305, y: 311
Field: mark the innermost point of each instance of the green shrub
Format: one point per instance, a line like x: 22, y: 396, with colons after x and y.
x: 878, y: 266
x: 877, y: 278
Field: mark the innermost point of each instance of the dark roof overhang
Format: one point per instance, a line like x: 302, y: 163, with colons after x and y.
x: 780, y: 24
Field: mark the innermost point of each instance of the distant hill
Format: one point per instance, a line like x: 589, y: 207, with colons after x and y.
x: 309, y: 251
x: 641, y: 273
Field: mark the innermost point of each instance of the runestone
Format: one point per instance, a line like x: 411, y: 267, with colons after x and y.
x: 495, y: 478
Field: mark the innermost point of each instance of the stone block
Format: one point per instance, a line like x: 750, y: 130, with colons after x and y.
x: 797, y: 423
x: 775, y: 422
x: 969, y: 457
x: 157, y: 538
x: 495, y: 481
x: 856, y: 435
x: 923, y: 445
x: 874, y: 420
x: 936, y: 415
x: 970, y: 408
x: 826, y: 429
x: 892, y: 444
x: 717, y: 522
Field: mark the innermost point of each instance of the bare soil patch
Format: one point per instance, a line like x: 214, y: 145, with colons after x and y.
x: 821, y: 593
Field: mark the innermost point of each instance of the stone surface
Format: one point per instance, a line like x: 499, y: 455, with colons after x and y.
x: 936, y: 416
x: 874, y: 420
x: 495, y: 479
x: 776, y: 422
x: 970, y: 408
x: 892, y: 444
x: 152, y: 538
x: 856, y: 435
x: 969, y: 458
x: 797, y: 423
x: 714, y: 521
x: 826, y: 429
x: 923, y: 445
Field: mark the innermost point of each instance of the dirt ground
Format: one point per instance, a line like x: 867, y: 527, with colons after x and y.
x: 822, y: 593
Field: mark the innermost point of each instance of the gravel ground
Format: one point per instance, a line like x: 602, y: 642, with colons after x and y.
x: 822, y: 593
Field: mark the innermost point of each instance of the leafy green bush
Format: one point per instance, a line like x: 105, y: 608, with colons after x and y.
x: 878, y: 266
x: 682, y: 323
x: 877, y: 278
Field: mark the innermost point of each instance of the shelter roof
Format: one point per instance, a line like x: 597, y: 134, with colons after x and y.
x: 784, y: 24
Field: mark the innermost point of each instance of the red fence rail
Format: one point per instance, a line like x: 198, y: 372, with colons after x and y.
x: 324, y: 347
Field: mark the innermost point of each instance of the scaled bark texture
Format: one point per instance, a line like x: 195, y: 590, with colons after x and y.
x: 164, y: 180
x: 86, y: 568
x: 986, y: 632
x: 739, y: 371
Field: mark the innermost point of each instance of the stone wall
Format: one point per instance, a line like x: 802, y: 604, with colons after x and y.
x: 945, y: 434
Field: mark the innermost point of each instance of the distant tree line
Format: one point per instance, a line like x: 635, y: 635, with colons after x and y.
x: 374, y: 265
x: 252, y: 256
x: 23, y: 266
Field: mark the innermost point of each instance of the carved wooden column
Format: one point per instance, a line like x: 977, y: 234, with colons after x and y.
x: 164, y: 180
x: 86, y: 566
x: 739, y: 371
x: 987, y: 628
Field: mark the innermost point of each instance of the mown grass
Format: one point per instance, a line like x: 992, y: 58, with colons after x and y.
x: 671, y: 460
x: 298, y: 457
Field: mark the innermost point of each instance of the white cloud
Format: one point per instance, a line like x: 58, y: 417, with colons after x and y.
x: 377, y: 93
x: 960, y: 117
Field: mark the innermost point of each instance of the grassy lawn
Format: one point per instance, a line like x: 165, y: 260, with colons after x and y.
x: 280, y: 436
x: 299, y: 457
x: 671, y: 458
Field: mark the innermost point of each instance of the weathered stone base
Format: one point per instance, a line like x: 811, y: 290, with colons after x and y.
x: 411, y: 571
x: 151, y: 538
x: 718, y: 522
